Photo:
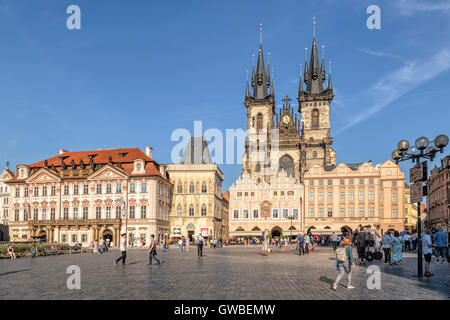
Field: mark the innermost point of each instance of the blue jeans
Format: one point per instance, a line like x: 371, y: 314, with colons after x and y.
x: 152, y: 256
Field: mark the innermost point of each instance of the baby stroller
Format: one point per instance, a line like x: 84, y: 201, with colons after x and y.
x: 372, y: 252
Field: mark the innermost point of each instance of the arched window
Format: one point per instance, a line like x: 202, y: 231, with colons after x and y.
x: 203, y: 210
x: 314, y: 154
x: 287, y: 164
x: 179, y: 210
x: 315, y: 118
x: 204, y: 187
x: 260, y: 121
x: 258, y: 167
x: 179, y: 187
x: 253, y: 122
x: 191, y: 210
x: 191, y: 187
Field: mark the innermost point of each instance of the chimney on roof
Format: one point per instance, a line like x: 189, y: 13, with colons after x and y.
x: 162, y: 170
x: 149, y: 151
x: 61, y: 151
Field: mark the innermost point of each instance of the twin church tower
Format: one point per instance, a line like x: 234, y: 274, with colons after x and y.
x: 279, y: 140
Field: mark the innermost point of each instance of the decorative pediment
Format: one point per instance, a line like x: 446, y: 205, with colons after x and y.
x: 108, y: 172
x: 43, y: 175
x: 5, y: 175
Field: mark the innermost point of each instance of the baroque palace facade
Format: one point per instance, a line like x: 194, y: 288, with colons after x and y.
x: 285, y: 153
x: 83, y: 196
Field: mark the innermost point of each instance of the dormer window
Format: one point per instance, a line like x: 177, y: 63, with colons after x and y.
x: 139, y: 166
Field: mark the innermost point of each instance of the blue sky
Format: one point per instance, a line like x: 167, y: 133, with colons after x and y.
x: 137, y: 70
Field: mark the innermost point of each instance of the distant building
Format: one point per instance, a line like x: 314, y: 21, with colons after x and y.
x: 438, y: 200
x: 410, y: 211
x: 198, y: 203
x: 76, y: 197
x: 341, y: 197
x: 4, y: 202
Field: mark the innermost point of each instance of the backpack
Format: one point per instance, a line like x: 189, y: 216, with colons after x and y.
x: 341, y: 254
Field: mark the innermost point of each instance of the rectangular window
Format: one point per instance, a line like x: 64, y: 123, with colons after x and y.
x: 311, y: 182
x: 245, y: 214
x: 311, y: 196
x: 74, y: 237
x: 75, y: 189
x: 98, y: 213
x: 83, y: 237
x: 342, y: 212
x: 108, y: 188
x: 44, y: 214
x: 85, y: 213
x: 255, y: 214
x: 361, y: 195
x: 371, y: 212
x: 133, y: 187
x: 320, y: 182
x: 35, y: 214
x: 295, y: 213
x: 330, y: 196
x: 361, y: 212
x: 370, y: 181
x: 394, y: 197
x: 320, y: 195
x: 394, y: 213
x: 381, y: 212
x: 75, y: 213
x: 26, y: 192
x: 36, y: 191
x: 342, y: 195
x: 275, y: 213
x: 394, y: 183
x: 44, y: 191
x: 381, y: 197
x: 381, y: 184
x: 143, y: 212
x: 118, y: 188
x: 371, y: 195
x: 63, y: 238
x: 350, y: 181
x: 351, y: 195
x: 99, y: 188
x: 351, y: 212
x: 320, y: 212
x: 53, y: 191
x: 118, y: 212
x: 66, y: 190
x: 144, y: 187
x: 17, y: 192
x: 330, y: 212
x: 311, y: 212
x: 108, y: 212
x: 16, y: 215
x: 342, y: 182
x: 285, y: 213
x: 361, y: 181
x: 235, y: 214
x: 330, y: 182
x: 66, y: 213
x: 53, y: 213
x: 85, y: 189
x: 132, y: 212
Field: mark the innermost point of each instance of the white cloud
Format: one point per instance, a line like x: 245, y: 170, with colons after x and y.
x: 409, y: 7
x: 381, y: 54
x: 399, y: 82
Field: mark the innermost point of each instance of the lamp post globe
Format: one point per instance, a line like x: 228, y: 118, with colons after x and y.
x: 395, y: 156
x: 422, y: 143
x: 441, y: 141
x: 413, y: 150
x: 402, y: 146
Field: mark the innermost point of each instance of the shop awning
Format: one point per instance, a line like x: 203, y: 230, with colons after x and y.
x: 325, y: 231
x: 246, y: 234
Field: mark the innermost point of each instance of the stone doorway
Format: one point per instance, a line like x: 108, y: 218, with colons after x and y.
x: 276, y: 232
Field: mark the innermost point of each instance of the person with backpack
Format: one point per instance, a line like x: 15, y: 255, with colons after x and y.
x: 344, y: 254
x: 386, y: 244
x: 361, y: 243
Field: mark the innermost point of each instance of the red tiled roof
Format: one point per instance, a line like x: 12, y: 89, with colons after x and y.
x: 226, y: 196
x: 124, y: 156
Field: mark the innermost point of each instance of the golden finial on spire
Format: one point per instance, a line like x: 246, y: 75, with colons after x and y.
x: 306, y: 54
x: 260, y: 33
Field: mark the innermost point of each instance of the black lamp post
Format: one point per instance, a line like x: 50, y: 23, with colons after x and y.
x: 421, y: 149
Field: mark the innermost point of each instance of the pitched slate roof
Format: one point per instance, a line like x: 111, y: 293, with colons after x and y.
x: 196, y: 152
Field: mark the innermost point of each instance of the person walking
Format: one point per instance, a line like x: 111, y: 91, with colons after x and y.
x: 440, y: 242
x: 397, y: 245
x: 414, y: 241
x: 344, y: 254
x: 377, y: 238
x: 101, y: 244
x: 11, y: 253
x: 188, y: 243
x: 95, y: 247
x: 334, y: 241
x: 361, y: 245
x: 123, y: 249
x: 307, y: 242
x: 427, y: 249
x: 33, y: 249
x: 386, y: 244
x: 301, y: 244
x: 200, y: 244
x: 180, y: 245
x: 152, y: 251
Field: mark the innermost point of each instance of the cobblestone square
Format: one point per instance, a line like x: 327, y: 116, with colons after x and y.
x: 224, y: 273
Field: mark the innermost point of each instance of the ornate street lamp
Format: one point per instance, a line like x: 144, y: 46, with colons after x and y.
x: 421, y: 149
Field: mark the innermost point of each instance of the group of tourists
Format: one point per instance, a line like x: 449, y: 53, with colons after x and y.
x: 100, y: 246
